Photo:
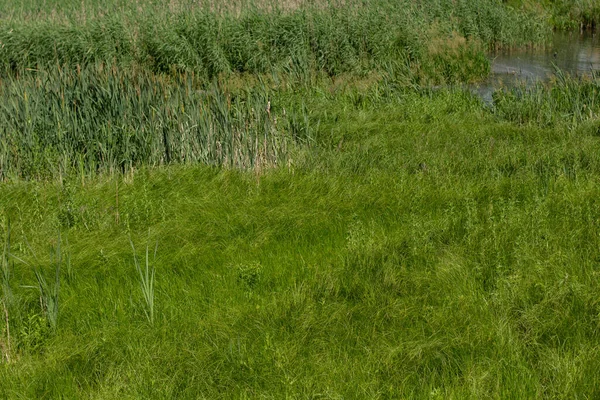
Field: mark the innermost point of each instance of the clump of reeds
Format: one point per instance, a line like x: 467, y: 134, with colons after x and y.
x: 330, y: 37
x: 103, y: 120
x: 566, y: 99
x: 110, y: 93
x: 574, y: 14
x: 146, y: 277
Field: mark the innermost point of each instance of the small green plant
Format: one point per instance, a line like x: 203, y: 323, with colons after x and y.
x: 49, y: 292
x: 249, y: 274
x: 49, y: 296
x: 33, y: 332
x: 146, y: 279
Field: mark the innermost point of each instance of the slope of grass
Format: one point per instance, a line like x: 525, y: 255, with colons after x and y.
x: 424, y: 250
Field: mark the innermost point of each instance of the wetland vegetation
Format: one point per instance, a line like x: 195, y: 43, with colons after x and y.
x: 295, y: 200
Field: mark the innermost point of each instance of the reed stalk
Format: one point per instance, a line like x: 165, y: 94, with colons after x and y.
x: 146, y: 280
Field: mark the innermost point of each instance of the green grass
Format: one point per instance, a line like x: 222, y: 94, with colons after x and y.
x: 105, y: 121
x: 357, y: 37
x: 565, y: 99
x: 423, y: 249
x: 319, y: 221
x: 577, y: 14
x: 115, y: 92
x: 100, y: 120
x: 563, y: 14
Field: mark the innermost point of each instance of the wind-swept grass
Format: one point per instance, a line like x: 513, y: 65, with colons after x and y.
x: 330, y: 227
x: 48, y: 292
x: 424, y: 248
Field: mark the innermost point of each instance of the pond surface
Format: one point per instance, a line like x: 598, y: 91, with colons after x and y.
x: 574, y: 53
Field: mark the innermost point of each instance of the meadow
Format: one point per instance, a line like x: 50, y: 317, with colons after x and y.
x: 255, y: 200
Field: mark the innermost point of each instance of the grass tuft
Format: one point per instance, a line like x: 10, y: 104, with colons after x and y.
x: 146, y: 280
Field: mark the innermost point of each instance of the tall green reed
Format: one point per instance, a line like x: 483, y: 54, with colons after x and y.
x: 146, y: 279
x: 107, y: 95
x: 49, y: 293
x: 574, y: 14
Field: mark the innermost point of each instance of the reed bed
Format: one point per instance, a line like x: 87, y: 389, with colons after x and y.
x: 125, y: 87
x: 329, y: 37
x: 105, y: 120
x: 564, y: 100
x: 112, y: 87
x: 575, y: 14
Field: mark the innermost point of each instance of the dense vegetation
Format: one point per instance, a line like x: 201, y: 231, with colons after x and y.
x: 92, y: 122
x: 565, y: 14
x: 231, y: 200
x: 355, y: 37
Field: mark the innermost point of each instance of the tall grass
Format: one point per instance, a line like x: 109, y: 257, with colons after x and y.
x: 105, y: 120
x: 564, y: 14
x: 49, y: 292
x: 355, y: 37
x: 49, y: 296
x: 28, y: 321
x: 101, y: 120
x: 565, y: 99
x: 578, y: 14
x: 421, y: 248
x: 116, y: 91
x: 146, y: 279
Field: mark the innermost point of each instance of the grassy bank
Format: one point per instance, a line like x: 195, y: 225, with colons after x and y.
x: 424, y: 250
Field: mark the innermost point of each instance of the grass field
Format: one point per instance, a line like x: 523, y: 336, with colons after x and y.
x: 294, y: 213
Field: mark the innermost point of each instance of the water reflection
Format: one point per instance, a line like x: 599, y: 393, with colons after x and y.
x: 574, y: 53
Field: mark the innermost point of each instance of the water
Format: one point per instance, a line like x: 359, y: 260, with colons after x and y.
x: 574, y: 53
